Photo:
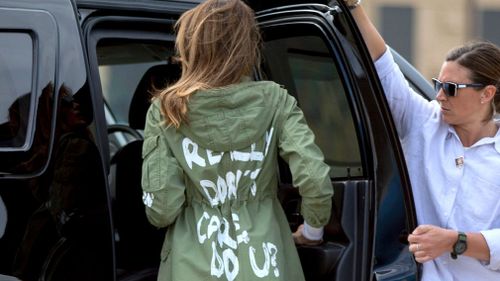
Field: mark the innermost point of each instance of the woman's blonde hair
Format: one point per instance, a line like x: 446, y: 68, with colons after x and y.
x: 217, y: 43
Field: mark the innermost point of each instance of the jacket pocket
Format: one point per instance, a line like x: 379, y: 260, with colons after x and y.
x: 151, y: 166
x: 150, y: 144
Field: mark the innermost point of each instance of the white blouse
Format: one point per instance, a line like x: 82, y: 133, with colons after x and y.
x: 453, y: 186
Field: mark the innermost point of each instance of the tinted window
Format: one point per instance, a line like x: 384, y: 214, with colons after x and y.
x: 16, y: 63
x: 304, y: 65
x: 58, y: 224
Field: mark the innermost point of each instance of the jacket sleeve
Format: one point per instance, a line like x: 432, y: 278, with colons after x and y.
x: 309, y: 172
x: 162, y: 177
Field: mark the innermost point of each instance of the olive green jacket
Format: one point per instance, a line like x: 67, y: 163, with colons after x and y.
x: 214, y: 183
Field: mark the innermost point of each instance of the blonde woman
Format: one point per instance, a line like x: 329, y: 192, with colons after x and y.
x: 212, y: 142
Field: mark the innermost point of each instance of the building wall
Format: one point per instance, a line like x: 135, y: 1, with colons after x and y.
x: 437, y: 26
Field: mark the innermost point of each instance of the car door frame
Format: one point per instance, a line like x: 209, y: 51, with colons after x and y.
x: 374, y: 121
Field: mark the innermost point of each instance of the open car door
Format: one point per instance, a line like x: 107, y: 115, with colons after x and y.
x: 315, y: 51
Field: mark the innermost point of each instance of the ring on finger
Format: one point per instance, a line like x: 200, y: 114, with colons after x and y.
x: 418, y: 247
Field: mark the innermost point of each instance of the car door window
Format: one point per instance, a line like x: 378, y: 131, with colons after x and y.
x: 315, y: 66
x: 297, y: 55
x: 27, y: 70
x: 131, y: 71
x: 16, y: 68
x: 122, y: 64
x: 304, y: 65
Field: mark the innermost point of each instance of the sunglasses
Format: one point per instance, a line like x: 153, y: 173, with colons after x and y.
x: 450, y: 89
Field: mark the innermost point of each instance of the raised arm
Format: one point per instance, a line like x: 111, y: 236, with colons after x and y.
x: 408, y: 108
x: 373, y: 39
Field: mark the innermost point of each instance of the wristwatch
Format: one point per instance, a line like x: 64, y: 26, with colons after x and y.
x: 351, y: 4
x: 460, y: 246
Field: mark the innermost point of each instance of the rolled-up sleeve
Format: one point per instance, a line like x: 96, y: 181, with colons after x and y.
x: 492, y: 238
x: 309, y: 172
x: 162, y: 177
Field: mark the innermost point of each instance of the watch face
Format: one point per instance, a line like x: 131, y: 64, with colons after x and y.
x: 460, y: 247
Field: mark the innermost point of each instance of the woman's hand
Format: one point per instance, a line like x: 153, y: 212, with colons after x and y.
x: 352, y: 3
x: 428, y: 242
x: 300, y: 239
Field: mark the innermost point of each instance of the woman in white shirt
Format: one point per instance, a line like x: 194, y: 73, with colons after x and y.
x: 452, y: 150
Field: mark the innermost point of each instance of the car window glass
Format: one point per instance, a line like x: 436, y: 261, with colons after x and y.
x: 121, y: 67
x: 304, y: 65
x: 130, y: 71
x: 15, y: 88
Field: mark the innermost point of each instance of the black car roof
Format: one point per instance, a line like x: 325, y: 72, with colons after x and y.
x: 257, y: 5
x: 137, y: 4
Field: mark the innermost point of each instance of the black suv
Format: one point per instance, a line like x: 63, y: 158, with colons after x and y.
x: 75, y: 82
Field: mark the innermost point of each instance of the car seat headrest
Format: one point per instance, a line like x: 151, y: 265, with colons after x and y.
x: 155, y: 78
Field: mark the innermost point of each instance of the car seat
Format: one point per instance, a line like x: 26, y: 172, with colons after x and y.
x: 138, y: 242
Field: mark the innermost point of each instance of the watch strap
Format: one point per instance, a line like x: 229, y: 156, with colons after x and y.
x: 351, y: 4
x: 462, y: 239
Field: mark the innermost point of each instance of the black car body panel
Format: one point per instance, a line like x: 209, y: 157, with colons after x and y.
x: 74, y: 89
